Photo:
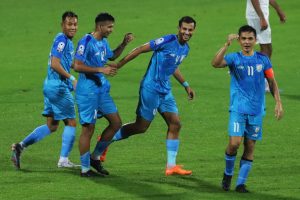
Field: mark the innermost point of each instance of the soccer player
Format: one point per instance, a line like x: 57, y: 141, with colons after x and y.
x: 155, y: 90
x: 58, y: 100
x: 92, y: 93
x: 248, y: 69
x: 257, y: 15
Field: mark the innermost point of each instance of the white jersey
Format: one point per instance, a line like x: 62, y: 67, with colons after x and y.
x: 251, y: 13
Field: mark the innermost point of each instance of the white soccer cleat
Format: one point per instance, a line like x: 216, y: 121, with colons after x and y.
x: 66, y: 164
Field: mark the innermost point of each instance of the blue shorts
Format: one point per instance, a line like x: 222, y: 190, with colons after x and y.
x: 58, y: 102
x: 150, y: 102
x: 244, y: 125
x: 94, y: 105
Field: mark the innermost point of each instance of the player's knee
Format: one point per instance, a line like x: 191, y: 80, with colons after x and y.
x: 53, y: 128
x: 175, y: 126
x: 142, y: 129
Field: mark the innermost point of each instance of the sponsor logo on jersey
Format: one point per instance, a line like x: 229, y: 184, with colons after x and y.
x: 80, y: 50
x: 154, y: 111
x: 60, y: 47
x: 259, y: 67
x: 158, y: 41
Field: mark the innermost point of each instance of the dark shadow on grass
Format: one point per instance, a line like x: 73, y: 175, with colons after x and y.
x: 291, y: 96
x: 201, y: 186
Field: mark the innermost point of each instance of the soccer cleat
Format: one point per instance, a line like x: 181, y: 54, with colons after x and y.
x: 66, y: 164
x: 241, y: 189
x: 103, y: 155
x: 177, y: 170
x: 16, y: 153
x: 96, y: 164
x: 90, y: 173
x: 226, y: 182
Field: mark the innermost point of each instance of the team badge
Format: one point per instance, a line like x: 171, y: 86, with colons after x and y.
x: 60, y: 47
x: 256, y: 129
x: 259, y: 67
x: 159, y: 41
x: 80, y: 50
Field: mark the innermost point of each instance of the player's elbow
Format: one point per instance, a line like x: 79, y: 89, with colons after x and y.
x: 214, y: 64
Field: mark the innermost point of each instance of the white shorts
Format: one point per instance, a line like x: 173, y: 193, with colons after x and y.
x: 263, y: 37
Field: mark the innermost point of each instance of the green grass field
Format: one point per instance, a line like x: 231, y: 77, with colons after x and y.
x: 137, y: 165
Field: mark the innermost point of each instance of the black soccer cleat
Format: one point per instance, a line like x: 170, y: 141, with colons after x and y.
x: 241, y: 189
x: 16, y: 153
x: 226, y: 182
x: 97, y: 165
x: 90, y: 174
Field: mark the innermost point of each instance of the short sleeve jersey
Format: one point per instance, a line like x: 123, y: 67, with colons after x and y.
x: 168, y: 54
x: 247, y: 87
x: 93, y: 53
x: 63, y: 49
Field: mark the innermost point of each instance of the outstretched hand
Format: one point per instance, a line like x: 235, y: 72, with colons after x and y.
x: 110, y: 71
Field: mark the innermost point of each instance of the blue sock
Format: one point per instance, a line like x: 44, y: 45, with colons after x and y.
x: 85, y: 162
x: 172, y: 149
x: 100, y: 147
x: 229, y: 164
x: 68, y: 138
x: 245, y: 167
x: 119, y: 136
x: 36, y: 135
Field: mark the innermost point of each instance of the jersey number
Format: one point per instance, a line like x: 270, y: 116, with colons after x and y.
x: 250, y: 70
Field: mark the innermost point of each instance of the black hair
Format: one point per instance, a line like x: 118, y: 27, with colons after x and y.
x: 187, y: 19
x: 68, y: 14
x: 247, y: 28
x: 102, y: 17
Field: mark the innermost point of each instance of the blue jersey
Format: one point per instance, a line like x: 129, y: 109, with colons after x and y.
x: 168, y: 54
x: 63, y: 49
x: 93, y: 53
x: 247, y: 87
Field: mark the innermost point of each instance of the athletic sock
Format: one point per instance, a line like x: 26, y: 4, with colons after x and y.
x: 68, y: 138
x: 38, y: 134
x: 245, y: 167
x: 100, y: 147
x: 172, y: 149
x: 229, y: 164
x: 85, y: 162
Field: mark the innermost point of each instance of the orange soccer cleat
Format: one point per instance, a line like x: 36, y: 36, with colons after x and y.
x: 177, y: 170
x: 103, y: 155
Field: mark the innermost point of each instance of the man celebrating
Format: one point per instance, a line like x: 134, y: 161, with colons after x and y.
x: 248, y: 69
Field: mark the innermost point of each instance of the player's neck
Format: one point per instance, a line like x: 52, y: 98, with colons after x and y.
x: 97, y: 35
x: 248, y: 53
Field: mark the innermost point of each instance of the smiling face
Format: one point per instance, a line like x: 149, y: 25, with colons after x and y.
x: 247, y: 41
x: 69, y: 26
x: 185, y: 32
x: 105, y: 28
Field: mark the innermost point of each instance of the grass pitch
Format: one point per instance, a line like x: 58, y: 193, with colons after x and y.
x: 137, y: 165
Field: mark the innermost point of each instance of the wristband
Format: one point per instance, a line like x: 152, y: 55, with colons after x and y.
x: 185, y: 84
x: 72, y: 78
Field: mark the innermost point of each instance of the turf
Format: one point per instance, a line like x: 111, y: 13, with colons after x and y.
x: 137, y: 165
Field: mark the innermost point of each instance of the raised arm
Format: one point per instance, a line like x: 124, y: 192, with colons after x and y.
x: 280, y: 13
x: 133, y: 54
x: 263, y: 22
x: 179, y: 77
x: 118, y: 51
x: 219, y: 61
